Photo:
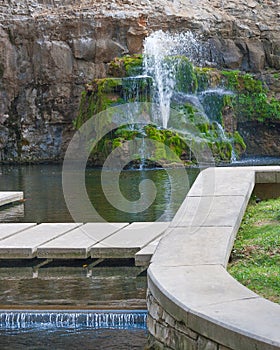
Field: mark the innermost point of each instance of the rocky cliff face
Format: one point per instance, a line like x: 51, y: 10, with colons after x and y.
x: 49, y: 49
x: 261, y: 138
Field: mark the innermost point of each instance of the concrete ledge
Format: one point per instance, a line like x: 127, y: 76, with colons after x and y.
x: 10, y: 197
x: 193, y: 302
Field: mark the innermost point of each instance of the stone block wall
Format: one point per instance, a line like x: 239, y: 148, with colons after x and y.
x: 167, y: 333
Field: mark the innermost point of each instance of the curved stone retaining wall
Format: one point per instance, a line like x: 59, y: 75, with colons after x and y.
x: 193, y: 303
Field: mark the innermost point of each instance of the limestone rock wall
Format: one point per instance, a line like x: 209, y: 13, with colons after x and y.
x: 261, y: 138
x: 49, y: 49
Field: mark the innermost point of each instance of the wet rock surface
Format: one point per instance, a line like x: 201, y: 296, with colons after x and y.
x: 49, y: 49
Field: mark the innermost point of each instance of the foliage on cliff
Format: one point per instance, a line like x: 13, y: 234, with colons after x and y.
x: 253, y: 100
x: 101, y: 94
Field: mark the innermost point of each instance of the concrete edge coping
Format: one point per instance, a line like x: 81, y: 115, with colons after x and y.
x: 187, y: 275
x: 8, y: 197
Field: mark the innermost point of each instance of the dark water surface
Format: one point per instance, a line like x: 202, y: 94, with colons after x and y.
x: 44, y: 199
x: 71, y: 285
x: 73, y: 339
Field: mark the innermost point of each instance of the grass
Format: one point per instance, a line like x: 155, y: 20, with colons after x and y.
x: 255, y: 259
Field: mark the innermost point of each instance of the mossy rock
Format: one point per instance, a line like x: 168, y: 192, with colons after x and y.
x: 239, y: 144
x: 207, y: 78
x: 102, y: 94
x: 126, y: 66
x: 253, y: 100
x: 184, y: 73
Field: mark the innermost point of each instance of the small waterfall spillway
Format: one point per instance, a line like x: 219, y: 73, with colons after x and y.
x: 75, y: 319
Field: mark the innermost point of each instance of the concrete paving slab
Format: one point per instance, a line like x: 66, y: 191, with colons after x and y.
x: 10, y: 197
x: 24, y: 244
x: 9, y: 229
x: 262, y: 168
x: 76, y: 243
x: 195, y: 246
x: 197, y: 286
x: 144, y: 256
x: 223, y: 181
x: 225, y: 211
x: 126, y: 242
x: 261, y: 329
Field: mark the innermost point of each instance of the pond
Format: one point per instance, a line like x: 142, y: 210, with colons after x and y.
x: 44, y: 200
x: 71, y: 285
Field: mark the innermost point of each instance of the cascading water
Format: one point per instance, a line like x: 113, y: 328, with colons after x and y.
x: 160, y: 46
x: 211, y: 102
x: 163, y: 58
x: 51, y: 319
x: 72, y: 330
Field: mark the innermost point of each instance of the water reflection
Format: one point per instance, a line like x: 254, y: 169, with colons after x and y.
x: 73, y: 339
x: 40, y: 284
x: 44, y: 201
x: 11, y: 213
x: 72, y: 284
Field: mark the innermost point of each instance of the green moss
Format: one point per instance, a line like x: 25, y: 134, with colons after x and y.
x: 126, y: 66
x: 202, y: 79
x: 136, y: 89
x: 252, y: 101
x: 182, y: 116
x: 214, y: 105
x: 186, y: 79
x: 207, y: 78
x: 221, y: 150
x: 239, y: 144
x: 102, y: 94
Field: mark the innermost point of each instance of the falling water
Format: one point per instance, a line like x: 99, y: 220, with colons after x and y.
x: 77, y: 319
x: 157, y: 47
x: 211, y: 101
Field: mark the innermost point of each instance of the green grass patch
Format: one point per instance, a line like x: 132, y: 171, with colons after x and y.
x: 255, y: 258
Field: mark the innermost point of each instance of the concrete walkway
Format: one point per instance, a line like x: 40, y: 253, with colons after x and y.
x: 80, y: 241
x: 193, y: 302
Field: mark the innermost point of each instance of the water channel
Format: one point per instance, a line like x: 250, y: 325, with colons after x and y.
x: 68, y: 286
x: 72, y: 285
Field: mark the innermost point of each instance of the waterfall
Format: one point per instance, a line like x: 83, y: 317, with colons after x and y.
x: 166, y: 57
x: 211, y: 102
x: 160, y: 46
x: 75, y: 319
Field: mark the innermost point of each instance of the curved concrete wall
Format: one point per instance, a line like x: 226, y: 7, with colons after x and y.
x: 193, y: 303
